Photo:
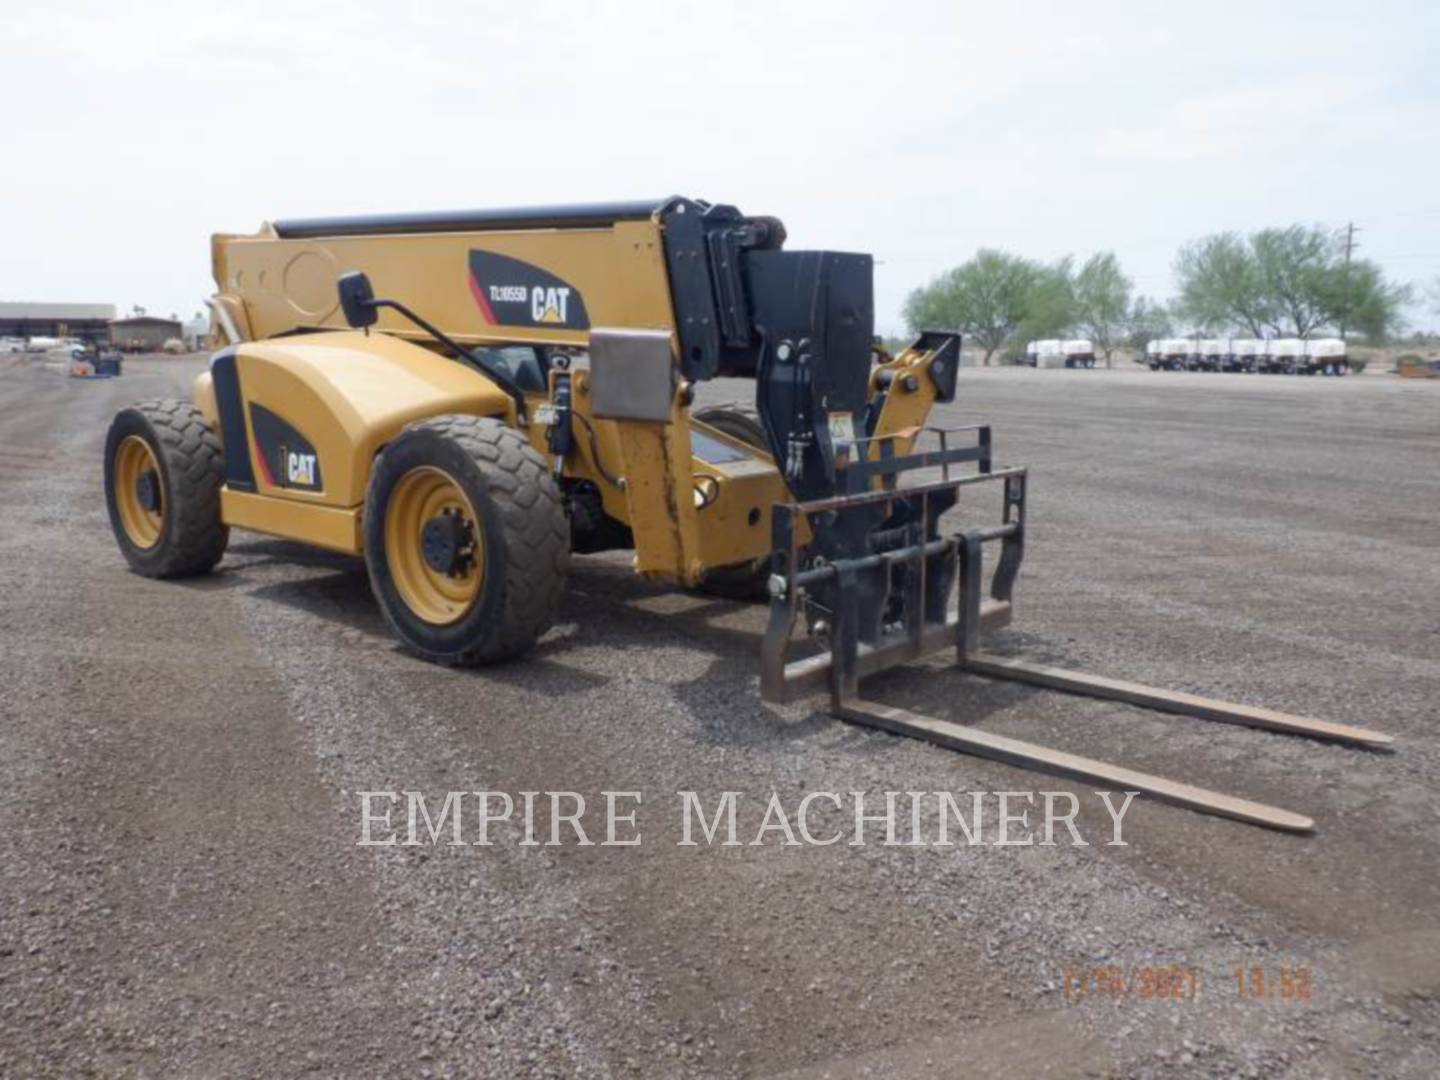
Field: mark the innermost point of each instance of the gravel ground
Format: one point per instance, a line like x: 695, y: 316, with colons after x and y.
x: 182, y: 894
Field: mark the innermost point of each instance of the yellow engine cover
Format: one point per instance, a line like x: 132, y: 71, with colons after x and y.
x: 303, y: 417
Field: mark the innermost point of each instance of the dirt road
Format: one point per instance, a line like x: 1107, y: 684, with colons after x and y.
x: 182, y: 894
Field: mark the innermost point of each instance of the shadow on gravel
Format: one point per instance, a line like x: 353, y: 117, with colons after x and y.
x: 948, y: 693
x: 248, y: 554
x: 342, y: 597
x: 725, y: 700
x: 265, y: 552
x: 604, y: 603
x: 608, y: 607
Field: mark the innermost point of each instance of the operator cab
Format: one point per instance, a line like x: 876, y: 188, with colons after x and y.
x: 526, y: 365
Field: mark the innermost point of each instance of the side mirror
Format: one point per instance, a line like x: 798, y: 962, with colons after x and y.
x: 357, y: 299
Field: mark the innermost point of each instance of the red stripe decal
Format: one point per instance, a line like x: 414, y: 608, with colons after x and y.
x: 479, y: 294
x: 264, y: 467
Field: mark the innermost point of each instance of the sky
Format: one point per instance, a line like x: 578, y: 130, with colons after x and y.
x: 916, y: 131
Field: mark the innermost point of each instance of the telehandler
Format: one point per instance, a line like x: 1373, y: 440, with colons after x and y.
x: 465, y: 398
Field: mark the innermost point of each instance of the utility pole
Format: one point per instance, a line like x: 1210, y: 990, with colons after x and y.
x: 1350, y: 232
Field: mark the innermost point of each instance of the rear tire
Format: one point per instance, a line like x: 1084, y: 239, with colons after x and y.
x: 163, y: 474
x: 505, y: 580
x: 744, y: 581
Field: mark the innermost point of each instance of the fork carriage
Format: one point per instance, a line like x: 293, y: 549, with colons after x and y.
x: 880, y: 597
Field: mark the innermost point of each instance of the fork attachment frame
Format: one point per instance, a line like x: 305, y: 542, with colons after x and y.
x: 875, y: 583
x: 878, y: 577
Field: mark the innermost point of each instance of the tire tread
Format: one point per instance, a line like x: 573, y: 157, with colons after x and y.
x: 536, y: 534
x: 195, y: 537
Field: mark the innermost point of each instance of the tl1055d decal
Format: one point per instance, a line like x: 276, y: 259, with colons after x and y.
x: 512, y: 292
x: 286, y: 457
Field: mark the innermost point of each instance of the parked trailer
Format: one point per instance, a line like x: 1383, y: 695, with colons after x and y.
x: 1325, y: 355
x: 1212, y: 354
x: 1172, y: 354
x: 1049, y: 353
x: 1246, y: 354
x: 1054, y: 353
x: 1289, y: 356
x: 1286, y: 355
x: 1078, y: 353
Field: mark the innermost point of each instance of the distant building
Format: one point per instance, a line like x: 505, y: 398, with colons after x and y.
x: 197, y: 335
x: 143, y: 333
x: 88, y: 322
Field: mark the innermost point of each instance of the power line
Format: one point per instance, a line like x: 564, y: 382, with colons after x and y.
x: 1409, y: 255
x: 1349, y: 248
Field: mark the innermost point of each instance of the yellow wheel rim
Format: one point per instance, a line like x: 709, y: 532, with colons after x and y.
x: 439, y: 590
x: 139, y: 494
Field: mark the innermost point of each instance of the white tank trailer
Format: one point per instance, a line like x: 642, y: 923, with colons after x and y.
x: 1054, y: 353
x: 1325, y: 356
x: 1246, y: 354
x: 1288, y: 356
x: 1048, y: 353
x: 1078, y: 352
x: 1285, y: 356
x: 1212, y: 354
x: 1170, y: 354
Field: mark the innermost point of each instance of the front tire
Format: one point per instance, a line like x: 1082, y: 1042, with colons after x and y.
x: 466, y: 540
x: 163, y: 474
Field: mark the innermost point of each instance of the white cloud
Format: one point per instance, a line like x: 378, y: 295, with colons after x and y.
x: 1253, y: 124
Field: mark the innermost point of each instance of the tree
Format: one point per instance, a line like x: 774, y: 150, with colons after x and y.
x: 986, y: 299
x: 1360, y: 298
x: 1220, y: 285
x: 1148, y: 319
x: 1049, y: 303
x: 1290, y: 282
x: 1296, y: 270
x: 1102, y: 301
